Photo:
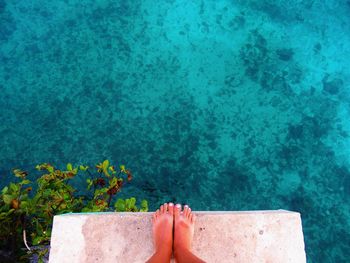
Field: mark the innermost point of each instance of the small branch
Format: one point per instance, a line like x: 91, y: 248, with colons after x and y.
x: 109, y: 200
x: 25, y: 240
x: 92, y: 178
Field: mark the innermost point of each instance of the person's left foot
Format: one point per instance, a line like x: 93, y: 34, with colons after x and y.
x: 163, y: 228
x: 184, y: 228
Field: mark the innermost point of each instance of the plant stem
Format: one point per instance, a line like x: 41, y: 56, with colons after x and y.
x: 92, y: 178
x: 25, y: 239
x: 109, y: 200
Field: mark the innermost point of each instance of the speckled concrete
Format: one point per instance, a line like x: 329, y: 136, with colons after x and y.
x: 252, y: 236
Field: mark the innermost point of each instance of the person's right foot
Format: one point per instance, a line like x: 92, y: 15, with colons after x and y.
x: 163, y: 228
x: 183, y: 228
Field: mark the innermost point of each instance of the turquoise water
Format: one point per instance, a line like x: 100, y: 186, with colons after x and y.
x: 224, y: 105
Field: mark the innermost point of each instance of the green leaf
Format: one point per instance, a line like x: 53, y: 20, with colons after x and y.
x: 69, y: 167
x: 120, y: 205
x: 66, y: 196
x: 101, y: 191
x: 8, y: 199
x: 19, y: 173
x: 83, y: 168
x: 90, y: 183
x: 96, y: 208
x: 127, y: 204
x: 50, y: 169
x: 24, y: 204
x: 11, y: 211
x: 144, y: 206
x: 114, y: 181
x: 47, y: 192
x: 4, y: 190
x: 122, y: 169
x: 3, y: 215
x: 37, y: 240
x: 14, y: 187
x: 105, y: 164
x: 132, y: 202
x: 25, y: 182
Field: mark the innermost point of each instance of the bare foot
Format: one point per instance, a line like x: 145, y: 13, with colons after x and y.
x: 163, y: 233
x: 183, y: 228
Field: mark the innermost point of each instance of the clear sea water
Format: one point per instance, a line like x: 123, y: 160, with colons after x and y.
x: 223, y: 105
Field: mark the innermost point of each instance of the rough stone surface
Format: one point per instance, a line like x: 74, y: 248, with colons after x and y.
x: 252, y: 236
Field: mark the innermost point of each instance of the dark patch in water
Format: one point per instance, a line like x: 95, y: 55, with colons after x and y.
x: 317, y: 47
x: 8, y: 26
x: 235, y: 177
x: 2, y: 6
x: 289, y: 153
x: 295, y: 131
x: 344, y: 175
x: 254, y: 55
x: 285, y: 54
x: 332, y: 86
x: 317, y: 127
x: 108, y: 84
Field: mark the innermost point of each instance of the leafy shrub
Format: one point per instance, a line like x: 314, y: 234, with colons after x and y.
x: 27, y: 219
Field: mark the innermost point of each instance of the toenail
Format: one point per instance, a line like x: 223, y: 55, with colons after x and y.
x: 171, y: 204
x: 186, y: 205
x: 178, y: 206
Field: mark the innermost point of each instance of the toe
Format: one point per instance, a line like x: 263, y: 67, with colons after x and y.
x: 189, y: 212
x: 186, y: 210
x: 177, y: 210
x: 193, y: 218
x: 165, y: 208
x: 156, y: 214
x: 161, y: 209
x: 171, y: 208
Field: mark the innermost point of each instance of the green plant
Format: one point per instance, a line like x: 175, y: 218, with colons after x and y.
x: 26, y: 219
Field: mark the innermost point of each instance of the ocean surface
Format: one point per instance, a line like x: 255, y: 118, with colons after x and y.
x: 222, y: 105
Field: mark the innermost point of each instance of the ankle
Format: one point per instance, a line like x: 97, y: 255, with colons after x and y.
x: 180, y: 250
x: 160, y: 256
x: 165, y: 251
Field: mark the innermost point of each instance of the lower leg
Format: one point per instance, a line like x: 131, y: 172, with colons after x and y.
x: 162, y: 234
x: 160, y: 256
x: 183, y: 255
x: 183, y: 235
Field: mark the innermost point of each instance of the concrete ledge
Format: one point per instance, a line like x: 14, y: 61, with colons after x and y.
x: 252, y: 236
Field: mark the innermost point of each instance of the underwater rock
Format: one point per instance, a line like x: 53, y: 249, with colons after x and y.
x: 8, y: 26
x: 237, y: 22
x: 285, y: 54
x: 332, y: 86
x: 108, y: 85
x: 344, y: 175
x: 317, y: 48
x: 2, y: 6
x: 295, y: 131
x: 254, y: 57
